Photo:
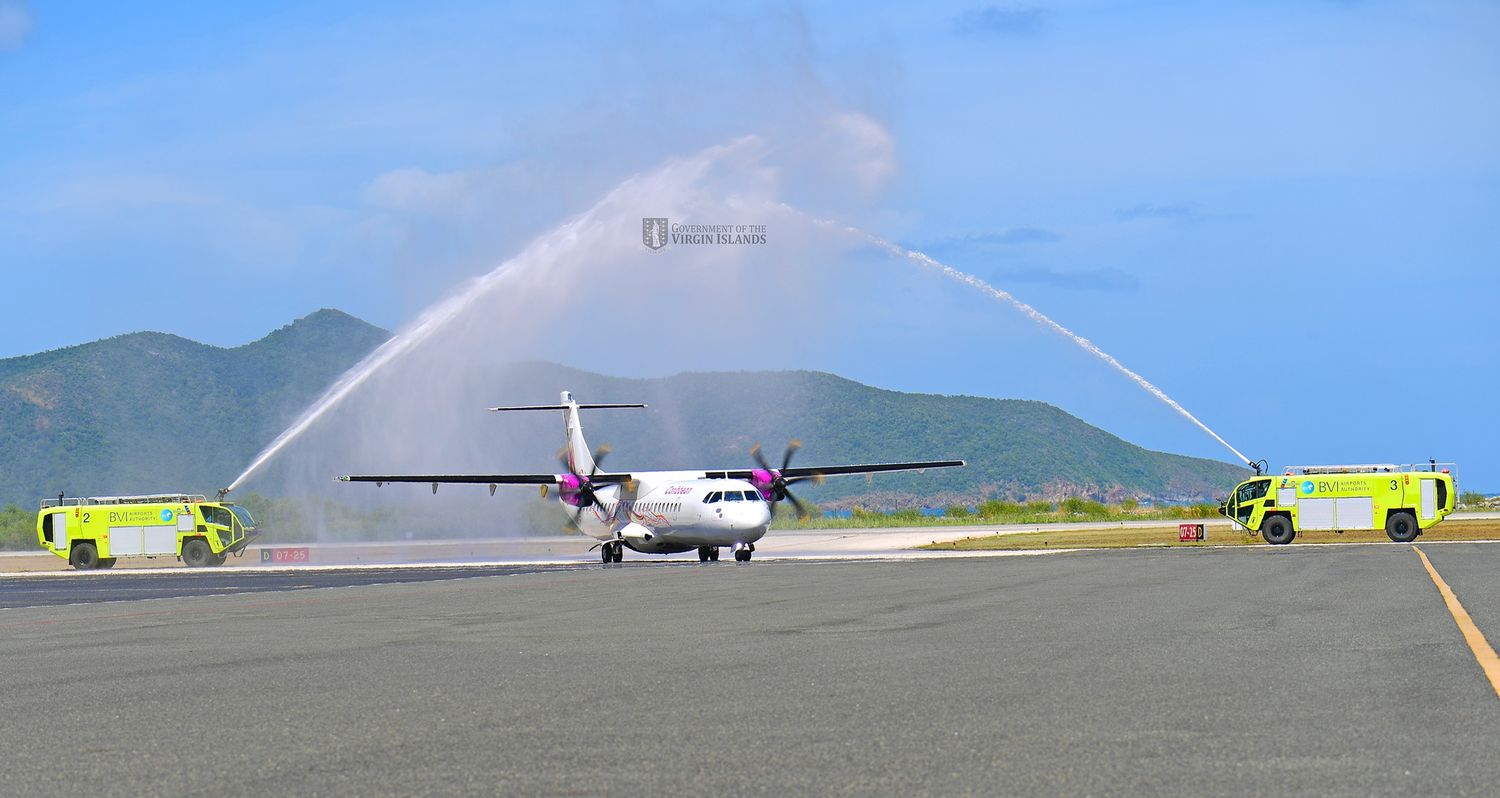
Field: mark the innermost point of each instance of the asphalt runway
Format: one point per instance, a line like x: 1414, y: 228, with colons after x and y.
x: 1328, y: 670
x: 71, y: 587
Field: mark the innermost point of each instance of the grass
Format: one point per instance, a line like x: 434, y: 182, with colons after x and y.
x: 1166, y: 536
x: 997, y: 512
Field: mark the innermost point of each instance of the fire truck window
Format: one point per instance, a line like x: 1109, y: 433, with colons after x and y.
x: 1251, y: 491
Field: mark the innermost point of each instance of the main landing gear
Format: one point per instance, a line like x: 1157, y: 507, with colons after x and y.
x: 612, y: 551
x: 708, y: 554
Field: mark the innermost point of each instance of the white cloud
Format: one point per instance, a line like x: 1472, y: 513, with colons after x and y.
x: 865, y: 150
x: 15, y: 23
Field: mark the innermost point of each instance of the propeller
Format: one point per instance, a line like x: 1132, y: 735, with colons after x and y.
x: 768, y: 478
x: 583, y: 486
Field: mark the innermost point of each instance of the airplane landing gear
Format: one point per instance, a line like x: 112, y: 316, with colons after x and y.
x: 708, y: 554
x: 613, y: 551
x: 742, y: 551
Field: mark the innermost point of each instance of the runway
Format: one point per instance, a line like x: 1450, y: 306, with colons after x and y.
x: 1327, y: 670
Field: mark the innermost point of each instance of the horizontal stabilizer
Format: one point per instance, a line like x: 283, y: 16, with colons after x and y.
x: 565, y: 407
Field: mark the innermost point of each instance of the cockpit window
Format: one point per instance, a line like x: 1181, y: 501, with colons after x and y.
x: 712, y: 497
x: 733, y: 496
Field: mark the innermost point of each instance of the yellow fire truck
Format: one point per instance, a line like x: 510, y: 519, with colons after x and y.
x: 94, y: 532
x: 1402, y: 500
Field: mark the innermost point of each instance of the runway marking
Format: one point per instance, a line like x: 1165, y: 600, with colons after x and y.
x: 1488, y: 660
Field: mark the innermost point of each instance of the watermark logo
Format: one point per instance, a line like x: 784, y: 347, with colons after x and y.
x: 657, y: 232
x: 654, y: 231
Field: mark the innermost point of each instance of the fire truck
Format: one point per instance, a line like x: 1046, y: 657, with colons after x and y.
x: 94, y: 532
x: 1402, y: 500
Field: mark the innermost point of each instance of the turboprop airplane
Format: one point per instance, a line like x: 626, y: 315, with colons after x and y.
x: 661, y: 512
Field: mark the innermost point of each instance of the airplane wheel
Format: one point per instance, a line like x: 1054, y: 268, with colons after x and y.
x: 619, y: 551
x: 607, y: 553
x: 713, y: 553
x: 742, y: 555
x: 702, y: 554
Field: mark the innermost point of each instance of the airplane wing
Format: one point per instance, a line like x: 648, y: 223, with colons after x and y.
x: 824, y: 471
x: 482, y: 479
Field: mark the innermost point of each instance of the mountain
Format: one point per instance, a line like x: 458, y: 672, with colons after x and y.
x: 1015, y: 448
x: 138, y: 412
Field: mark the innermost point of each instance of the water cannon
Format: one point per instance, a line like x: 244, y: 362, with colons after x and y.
x: 222, y: 493
x: 1260, y: 466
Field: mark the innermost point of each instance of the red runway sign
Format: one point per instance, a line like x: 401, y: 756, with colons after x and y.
x: 283, y: 555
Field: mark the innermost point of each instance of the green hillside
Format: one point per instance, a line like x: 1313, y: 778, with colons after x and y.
x: 139, y: 412
x: 1016, y: 448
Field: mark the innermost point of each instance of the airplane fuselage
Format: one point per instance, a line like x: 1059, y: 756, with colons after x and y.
x: 672, y: 512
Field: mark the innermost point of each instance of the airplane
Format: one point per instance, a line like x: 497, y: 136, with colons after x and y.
x: 660, y: 512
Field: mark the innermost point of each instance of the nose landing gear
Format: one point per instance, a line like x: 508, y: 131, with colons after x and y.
x: 742, y: 551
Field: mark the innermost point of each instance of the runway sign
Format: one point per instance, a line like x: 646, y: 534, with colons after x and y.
x: 283, y: 555
x: 1189, y: 532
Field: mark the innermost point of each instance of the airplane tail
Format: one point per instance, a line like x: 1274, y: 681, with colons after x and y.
x: 580, y: 458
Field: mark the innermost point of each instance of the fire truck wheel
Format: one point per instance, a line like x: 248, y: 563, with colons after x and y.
x: 1402, y: 527
x: 196, y: 553
x: 1277, y: 531
x: 84, y: 556
x: 106, y: 562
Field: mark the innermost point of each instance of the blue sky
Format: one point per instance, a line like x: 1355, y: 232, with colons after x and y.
x: 1283, y: 213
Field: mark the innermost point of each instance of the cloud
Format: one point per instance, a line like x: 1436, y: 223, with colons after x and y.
x: 416, y: 190
x: 1003, y: 238
x: 1011, y: 20
x: 852, y: 147
x: 15, y: 24
x: 1146, y: 210
x: 1107, y: 279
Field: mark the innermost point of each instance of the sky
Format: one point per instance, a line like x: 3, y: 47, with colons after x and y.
x: 1285, y: 214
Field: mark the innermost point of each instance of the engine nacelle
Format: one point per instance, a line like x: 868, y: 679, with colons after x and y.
x: 639, y: 537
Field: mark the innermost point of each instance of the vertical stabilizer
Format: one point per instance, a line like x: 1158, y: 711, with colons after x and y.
x: 580, y: 458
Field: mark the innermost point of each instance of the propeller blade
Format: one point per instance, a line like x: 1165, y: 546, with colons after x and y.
x: 802, y: 512
x: 599, y: 455
x: 791, y: 449
x: 759, y: 458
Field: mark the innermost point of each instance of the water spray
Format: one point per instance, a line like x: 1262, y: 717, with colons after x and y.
x: 927, y: 261
x: 602, y: 217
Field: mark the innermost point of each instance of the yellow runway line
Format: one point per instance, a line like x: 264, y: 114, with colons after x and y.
x: 1488, y: 661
